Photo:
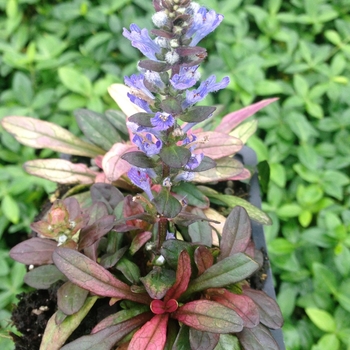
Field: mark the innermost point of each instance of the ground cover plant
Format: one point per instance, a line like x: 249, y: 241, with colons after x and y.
x: 295, y: 50
x: 166, y: 275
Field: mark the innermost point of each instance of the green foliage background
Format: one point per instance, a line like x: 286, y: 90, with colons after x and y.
x: 56, y: 56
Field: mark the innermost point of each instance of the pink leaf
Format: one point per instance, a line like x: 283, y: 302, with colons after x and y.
x: 270, y: 313
x: 89, y: 275
x: 113, y: 165
x: 34, y: 251
x: 243, y: 305
x: 244, y: 175
x: 60, y: 171
x: 183, y: 275
x: 152, y: 335
x: 236, y: 233
x: 209, y: 316
x: 217, y: 144
x: 231, y: 120
x: 37, y: 133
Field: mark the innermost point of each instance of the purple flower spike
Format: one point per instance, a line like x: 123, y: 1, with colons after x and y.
x: 140, y: 179
x: 194, y: 161
x: 155, y: 79
x: 136, y: 82
x: 204, y: 89
x: 162, y: 121
x: 204, y: 22
x: 141, y: 40
x: 147, y: 145
x: 187, y: 77
x: 139, y: 102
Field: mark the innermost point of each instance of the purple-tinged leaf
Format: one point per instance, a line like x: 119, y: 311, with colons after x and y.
x: 163, y: 33
x: 236, y: 233
x: 217, y: 144
x: 270, y: 313
x: 139, y: 241
x: 209, y: 316
x: 243, y: 305
x: 113, y: 165
x: 183, y: 275
x: 43, y: 277
x: 119, y: 317
x: 89, y: 275
x: 154, y: 66
x: 231, y: 120
x: 190, y: 193
x: 171, y: 105
x: 257, y: 338
x: 56, y: 335
x: 41, y: 134
x: 129, y: 269
x: 97, y: 128
x: 203, y: 259
x: 92, y: 233
x: 200, y: 231
x: 232, y: 201
x: 34, y: 251
x: 167, y: 204
x: 217, y: 224
x: 139, y: 159
x: 230, y: 270
x: 71, y: 298
x: 244, y: 175
x: 185, y: 219
x: 197, y: 114
x: 60, y: 171
x: 108, y: 337
x: 206, y: 164
x: 151, y: 335
x: 158, y: 281
x: 203, y: 340
x: 225, y: 169
x: 107, y: 194
x: 175, y: 156
x: 110, y: 259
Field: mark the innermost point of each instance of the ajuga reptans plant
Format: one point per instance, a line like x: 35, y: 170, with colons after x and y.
x: 137, y: 228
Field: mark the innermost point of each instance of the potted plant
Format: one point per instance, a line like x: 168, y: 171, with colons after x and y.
x: 142, y: 241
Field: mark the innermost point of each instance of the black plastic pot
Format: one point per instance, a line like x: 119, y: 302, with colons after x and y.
x: 249, y: 159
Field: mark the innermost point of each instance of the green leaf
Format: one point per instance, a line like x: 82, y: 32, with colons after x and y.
x: 230, y: 270
x: 42, y: 277
x: 22, y: 89
x: 97, y: 128
x: 167, y: 204
x: 322, y: 319
x: 281, y: 246
x: 200, y: 231
x: 56, y: 335
x: 227, y: 342
x: 129, y: 269
x: 193, y: 196
x: 175, y: 156
x: 71, y: 298
x: 75, y: 81
x: 197, y: 114
x: 232, y: 201
x: 325, y: 277
x: 10, y: 209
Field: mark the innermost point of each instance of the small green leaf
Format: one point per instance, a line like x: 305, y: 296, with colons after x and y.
x: 42, y: 277
x: 75, y: 81
x: 175, y: 156
x: 71, y: 298
x: 197, y: 114
x: 139, y: 159
x: 10, y: 209
x: 167, y: 204
x: 322, y: 319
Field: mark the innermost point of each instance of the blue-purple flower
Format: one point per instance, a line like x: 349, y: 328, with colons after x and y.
x: 207, y: 86
x: 204, y: 22
x: 162, y: 121
x: 187, y: 77
x: 137, y: 82
x: 140, y: 179
x: 148, y: 144
x: 141, y: 40
x: 194, y: 161
x: 139, y: 102
x: 154, y: 79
